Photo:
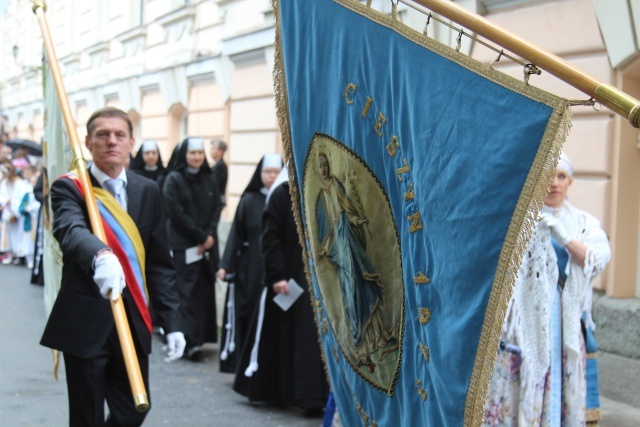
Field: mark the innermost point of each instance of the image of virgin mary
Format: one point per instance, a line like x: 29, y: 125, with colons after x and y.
x: 342, y: 234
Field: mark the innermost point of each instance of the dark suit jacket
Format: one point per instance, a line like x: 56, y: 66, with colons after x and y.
x: 220, y: 173
x: 81, y: 319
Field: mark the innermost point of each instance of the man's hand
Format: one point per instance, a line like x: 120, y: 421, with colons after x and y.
x: 558, y: 231
x: 175, y: 346
x: 108, y: 275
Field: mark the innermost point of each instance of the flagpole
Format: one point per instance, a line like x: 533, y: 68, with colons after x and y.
x: 138, y: 389
x: 606, y: 94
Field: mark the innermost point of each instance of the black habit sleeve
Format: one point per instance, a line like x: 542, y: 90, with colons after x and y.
x: 273, y: 230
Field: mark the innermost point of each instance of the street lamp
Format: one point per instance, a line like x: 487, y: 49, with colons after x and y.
x: 25, y: 68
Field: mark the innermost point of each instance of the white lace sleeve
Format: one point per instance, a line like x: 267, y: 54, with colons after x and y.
x: 599, y: 251
x: 596, y: 259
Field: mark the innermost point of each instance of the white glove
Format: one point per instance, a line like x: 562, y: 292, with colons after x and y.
x: 558, y: 231
x: 109, y: 276
x: 175, y: 346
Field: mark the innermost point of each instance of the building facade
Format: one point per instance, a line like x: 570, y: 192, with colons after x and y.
x: 203, y: 68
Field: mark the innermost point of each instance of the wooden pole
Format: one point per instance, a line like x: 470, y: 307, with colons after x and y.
x: 138, y: 389
x: 606, y: 94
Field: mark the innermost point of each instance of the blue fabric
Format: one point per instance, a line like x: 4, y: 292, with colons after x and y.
x: 23, y: 210
x: 469, y: 142
x: 593, y: 389
x: 563, y: 259
x: 329, y: 411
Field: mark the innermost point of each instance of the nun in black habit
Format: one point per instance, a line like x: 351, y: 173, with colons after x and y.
x: 148, y: 162
x: 241, y: 259
x: 284, y: 365
x: 173, y: 160
x: 193, y: 206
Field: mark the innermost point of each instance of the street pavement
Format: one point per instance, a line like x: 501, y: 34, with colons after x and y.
x: 185, y: 393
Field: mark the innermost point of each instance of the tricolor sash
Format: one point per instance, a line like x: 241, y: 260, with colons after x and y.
x: 124, y: 240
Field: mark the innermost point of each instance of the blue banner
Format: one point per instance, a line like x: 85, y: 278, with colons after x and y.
x: 419, y: 173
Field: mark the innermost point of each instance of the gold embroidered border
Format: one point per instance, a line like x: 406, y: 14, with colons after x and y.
x: 524, y: 218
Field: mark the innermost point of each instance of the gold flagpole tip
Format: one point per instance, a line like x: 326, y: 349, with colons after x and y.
x: 620, y: 102
x: 39, y: 4
x: 634, y: 116
x: 142, y: 403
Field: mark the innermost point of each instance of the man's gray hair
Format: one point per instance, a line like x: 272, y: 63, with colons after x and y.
x: 220, y: 144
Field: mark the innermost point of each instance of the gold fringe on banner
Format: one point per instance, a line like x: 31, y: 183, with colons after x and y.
x: 282, y: 108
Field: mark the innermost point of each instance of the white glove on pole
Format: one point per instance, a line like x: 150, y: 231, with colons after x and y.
x: 175, y: 346
x: 558, y: 231
x: 109, y: 276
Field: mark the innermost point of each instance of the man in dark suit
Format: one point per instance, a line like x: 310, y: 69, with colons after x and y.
x: 219, y: 169
x: 81, y: 323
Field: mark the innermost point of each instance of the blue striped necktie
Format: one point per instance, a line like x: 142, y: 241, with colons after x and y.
x: 115, y: 187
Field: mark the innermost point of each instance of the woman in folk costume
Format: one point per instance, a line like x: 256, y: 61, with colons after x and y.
x: 148, y: 162
x: 242, y: 258
x: 543, y: 377
x: 193, y: 206
x: 12, y: 191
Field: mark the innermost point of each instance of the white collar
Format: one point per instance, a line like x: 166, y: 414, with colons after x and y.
x: 102, y: 177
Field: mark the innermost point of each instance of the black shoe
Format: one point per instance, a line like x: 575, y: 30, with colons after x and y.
x: 195, y: 353
x: 314, y: 412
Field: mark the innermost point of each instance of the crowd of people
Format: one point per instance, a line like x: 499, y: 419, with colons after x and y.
x: 163, y: 260
x: 19, y: 205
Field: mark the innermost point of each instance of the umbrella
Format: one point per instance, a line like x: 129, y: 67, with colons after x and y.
x: 32, y: 147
